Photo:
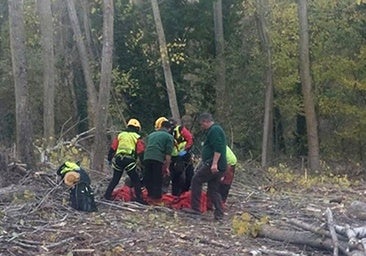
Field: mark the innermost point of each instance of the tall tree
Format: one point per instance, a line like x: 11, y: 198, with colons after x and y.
x: 46, y: 23
x: 220, y: 61
x: 267, y: 137
x: 105, y: 84
x: 310, y: 115
x: 165, y: 61
x: 24, y: 131
x: 85, y: 4
x: 92, y: 93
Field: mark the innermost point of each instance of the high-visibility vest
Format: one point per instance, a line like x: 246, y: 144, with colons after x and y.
x: 179, y: 141
x: 127, y: 143
x: 230, y: 156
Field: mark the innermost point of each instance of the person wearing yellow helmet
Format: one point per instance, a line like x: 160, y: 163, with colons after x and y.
x: 159, y: 121
x: 135, y: 123
x: 122, y: 156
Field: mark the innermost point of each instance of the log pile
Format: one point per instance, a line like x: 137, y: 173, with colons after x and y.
x: 36, y: 220
x: 340, y: 240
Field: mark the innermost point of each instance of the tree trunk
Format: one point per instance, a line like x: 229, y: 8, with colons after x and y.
x: 68, y: 55
x: 220, y: 61
x: 165, y: 62
x: 105, y: 84
x: 310, y: 115
x: 92, y: 93
x: 24, y: 131
x: 46, y: 23
x: 268, y: 102
x: 86, y: 24
x: 299, y: 237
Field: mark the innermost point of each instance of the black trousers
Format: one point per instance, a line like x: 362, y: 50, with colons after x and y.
x: 120, y: 163
x: 177, y: 175
x: 153, y: 178
x: 203, y: 175
x: 181, y: 173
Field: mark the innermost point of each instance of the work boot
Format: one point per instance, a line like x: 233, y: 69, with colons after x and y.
x: 141, y: 201
x: 108, y: 198
x: 191, y: 211
x: 219, y: 218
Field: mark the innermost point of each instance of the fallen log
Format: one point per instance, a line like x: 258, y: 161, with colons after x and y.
x: 330, y: 222
x: 301, y: 238
x: 357, y: 210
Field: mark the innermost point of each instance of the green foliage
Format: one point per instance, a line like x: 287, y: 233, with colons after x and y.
x: 339, y: 76
x: 283, y: 173
x: 338, y: 59
x: 7, y: 102
x: 245, y: 224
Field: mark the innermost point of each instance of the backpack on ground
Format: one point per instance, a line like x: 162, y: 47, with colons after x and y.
x: 82, y: 198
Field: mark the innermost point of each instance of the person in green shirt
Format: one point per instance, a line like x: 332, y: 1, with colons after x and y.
x: 157, y: 157
x: 227, y: 179
x: 212, y: 167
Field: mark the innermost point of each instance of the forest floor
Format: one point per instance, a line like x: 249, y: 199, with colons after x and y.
x: 36, y: 219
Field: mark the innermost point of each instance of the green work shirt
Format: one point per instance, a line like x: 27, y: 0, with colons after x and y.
x: 158, y: 144
x: 215, y: 142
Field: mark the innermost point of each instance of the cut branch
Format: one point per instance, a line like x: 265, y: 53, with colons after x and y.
x: 330, y: 221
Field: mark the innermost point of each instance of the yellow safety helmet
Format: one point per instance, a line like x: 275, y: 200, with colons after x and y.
x: 71, y: 178
x: 134, y: 122
x: 159, y: 121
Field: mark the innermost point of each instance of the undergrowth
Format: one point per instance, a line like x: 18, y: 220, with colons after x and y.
x: 283, y: 173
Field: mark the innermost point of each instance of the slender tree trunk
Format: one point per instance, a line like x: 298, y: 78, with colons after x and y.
x: 46, y: 23
x: 68, y: 55
x: 105, y: 84
x: 92, y: 93
x: 310, y: 115
x: 268, y: 102
x: 86, y: 24
x: 165, y: 62
x: 220, y: 61
x: 24, y: 132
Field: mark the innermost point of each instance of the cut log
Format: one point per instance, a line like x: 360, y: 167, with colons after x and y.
x: 301, y: 238
x: 329, y: 216
x: 357, y: 210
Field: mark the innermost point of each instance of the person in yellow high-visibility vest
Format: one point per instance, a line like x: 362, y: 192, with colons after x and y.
x: 122, y: 155
x: 227, y: 179
x: 181, y: 167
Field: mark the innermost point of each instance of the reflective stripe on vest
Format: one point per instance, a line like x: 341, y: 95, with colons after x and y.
x: 179, y: 141
x: 127, y: 143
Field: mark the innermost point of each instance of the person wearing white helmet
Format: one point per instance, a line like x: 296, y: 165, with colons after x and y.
x: 122, y: 155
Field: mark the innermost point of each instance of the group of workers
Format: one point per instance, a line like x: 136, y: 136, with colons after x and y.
x: 166, y: 155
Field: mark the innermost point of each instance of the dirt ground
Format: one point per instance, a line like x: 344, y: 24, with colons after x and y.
x: 36, y: 219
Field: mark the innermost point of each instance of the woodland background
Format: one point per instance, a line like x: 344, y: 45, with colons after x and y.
x: 72, y: 72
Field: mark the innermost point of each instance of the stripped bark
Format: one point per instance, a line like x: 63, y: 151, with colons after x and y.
x: 301, y: 238
x: 330, y: 221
